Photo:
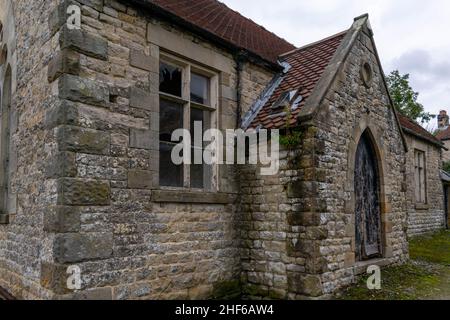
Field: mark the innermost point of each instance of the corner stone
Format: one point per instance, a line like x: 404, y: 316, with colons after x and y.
x: 83, y: 90
x: 80, y: 192
x: 76, y: 247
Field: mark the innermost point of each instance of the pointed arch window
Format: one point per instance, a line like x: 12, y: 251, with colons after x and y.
x: 5, y: 136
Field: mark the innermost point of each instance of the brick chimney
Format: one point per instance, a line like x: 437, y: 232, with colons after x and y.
x: 443, y: 120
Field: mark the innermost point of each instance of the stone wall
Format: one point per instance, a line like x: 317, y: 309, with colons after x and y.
x: 348, y: 110
x: 130, y: 239
x: 23, y: 243
x: 429, y: 217
x: 299, y: 227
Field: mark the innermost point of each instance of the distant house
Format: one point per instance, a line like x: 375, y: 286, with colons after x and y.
x: 91, y: 92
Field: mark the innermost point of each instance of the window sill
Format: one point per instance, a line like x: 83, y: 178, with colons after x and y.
x: 422, y: 206
x: 174, y: 196
x: 4, y: 219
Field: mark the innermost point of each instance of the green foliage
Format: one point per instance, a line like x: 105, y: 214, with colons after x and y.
x: 291, y: 140
x: 293, y: 137
x: 446, y: 167
x: 405, y: 98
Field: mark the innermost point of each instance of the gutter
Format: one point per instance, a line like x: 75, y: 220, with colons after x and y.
x: 239, y: 59
x: 154, y: 10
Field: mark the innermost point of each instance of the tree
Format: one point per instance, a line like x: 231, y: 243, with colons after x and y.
x: 405, y: 98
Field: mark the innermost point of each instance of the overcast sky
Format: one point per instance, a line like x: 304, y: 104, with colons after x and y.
x: 412, y: 36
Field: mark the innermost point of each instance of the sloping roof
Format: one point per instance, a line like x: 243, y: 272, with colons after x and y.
x: 412, y: 127
x: 445, y: 176
x: 218, y: 19
x: 444, y: 135
x: 307, y: 66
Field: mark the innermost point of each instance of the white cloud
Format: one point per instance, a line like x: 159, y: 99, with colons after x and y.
x: 411, y: 35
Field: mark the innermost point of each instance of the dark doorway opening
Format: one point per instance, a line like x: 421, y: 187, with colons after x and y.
x: 367, y: 201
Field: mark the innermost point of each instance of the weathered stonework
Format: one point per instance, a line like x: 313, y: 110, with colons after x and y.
x: 429, y: 217
x: 88, y: 178
x: 86, y: 174
x: 299, y: 227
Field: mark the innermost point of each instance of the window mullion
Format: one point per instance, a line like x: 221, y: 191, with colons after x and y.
x: 187, y: 118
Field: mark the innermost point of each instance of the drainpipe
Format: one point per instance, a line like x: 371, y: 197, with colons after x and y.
x: 239, y: 58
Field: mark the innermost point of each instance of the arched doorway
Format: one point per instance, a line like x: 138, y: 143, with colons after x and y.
x: 367, y: 200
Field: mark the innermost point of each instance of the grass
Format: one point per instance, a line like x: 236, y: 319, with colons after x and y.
x: 433, y: 248
x: 425, y: 277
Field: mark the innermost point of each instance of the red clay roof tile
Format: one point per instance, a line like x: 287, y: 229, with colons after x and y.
x: 215, y: 17
x: 417, y: 129
x: 307, y: 66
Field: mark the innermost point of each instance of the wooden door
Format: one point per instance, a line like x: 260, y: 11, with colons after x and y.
x: 367, y: 198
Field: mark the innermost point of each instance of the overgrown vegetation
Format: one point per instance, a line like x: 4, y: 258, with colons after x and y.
x: 292, y: 137
x: 405, y: 98
x: 426, y: 277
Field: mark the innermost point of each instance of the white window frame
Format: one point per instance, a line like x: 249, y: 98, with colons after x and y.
x: 187, y: 68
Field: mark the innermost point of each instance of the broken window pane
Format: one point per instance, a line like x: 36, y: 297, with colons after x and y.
x: 170, y: 79
x: 200, y: 89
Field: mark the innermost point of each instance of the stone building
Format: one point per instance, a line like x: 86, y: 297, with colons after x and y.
x: 426, y: 204
x: 91, y: 91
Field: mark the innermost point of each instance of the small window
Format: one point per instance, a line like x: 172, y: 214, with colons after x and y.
x: 170, y: 79
x: 366, y: 74
x: 188, y: 99
x: 5, y: 122
x: 287, y: 100
x: 420, y: 177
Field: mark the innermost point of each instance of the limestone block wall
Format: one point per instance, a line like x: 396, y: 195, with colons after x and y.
x: 23, y: 243
x: 429, y: 217
x: 130, y: 238
x: 299, y: 226
x: 349, y: 109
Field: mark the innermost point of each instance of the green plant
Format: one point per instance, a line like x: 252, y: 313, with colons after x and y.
x: 446, y: 167
x: 292, y: 137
